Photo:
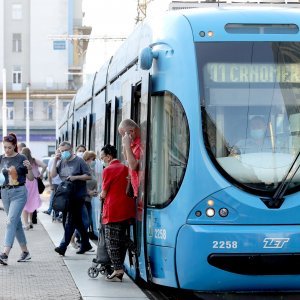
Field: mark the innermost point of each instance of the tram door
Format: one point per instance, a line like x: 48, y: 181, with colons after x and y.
x: 139, y: 112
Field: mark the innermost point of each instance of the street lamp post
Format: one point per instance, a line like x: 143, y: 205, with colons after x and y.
x: 27, y: 118
x: 56, y: 117
x: 4, y: 108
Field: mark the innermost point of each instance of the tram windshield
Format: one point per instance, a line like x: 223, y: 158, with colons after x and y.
x: 250, y: 100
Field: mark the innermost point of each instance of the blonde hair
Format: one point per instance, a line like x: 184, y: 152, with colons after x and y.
x: 89, y: 155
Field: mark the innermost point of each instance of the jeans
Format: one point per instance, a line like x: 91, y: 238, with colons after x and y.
x: 14, y: 201
x: 51, y: 198
x: 85, y: 220
x: 73, y: 220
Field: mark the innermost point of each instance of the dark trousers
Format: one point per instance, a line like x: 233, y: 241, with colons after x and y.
x: 72, y: 221
x: 116, y: 242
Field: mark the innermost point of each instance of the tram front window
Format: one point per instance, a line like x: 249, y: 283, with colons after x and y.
x: 250, y: 99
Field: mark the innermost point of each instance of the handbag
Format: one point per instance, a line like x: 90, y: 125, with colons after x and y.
x: 41, y: 186
x: 129, y: 188
x: 62, y: 195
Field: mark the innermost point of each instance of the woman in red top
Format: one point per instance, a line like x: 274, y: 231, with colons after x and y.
x: 118, y: 209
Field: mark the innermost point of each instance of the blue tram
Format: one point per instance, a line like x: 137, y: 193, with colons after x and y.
x: 216, y: 92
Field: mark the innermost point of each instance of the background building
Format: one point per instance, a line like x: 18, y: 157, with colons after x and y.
x: 36, y: 51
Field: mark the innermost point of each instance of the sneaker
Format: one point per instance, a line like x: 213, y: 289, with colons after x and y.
x: 46, y: 212
x: 25, y: 256
x: 26, y: 227
x: 60, y: 251
x: 85, y: 249
x: 3, y: 259
x: 74, y: 245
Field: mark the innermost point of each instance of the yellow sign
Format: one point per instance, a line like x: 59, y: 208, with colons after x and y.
x: 243, y: 73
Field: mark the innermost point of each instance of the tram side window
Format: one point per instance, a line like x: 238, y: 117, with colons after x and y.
x: 169, y: 146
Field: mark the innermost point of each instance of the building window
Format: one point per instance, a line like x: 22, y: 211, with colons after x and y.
x: 17, y: 42
x: 10, y: 110
x: 17, y: 78
x: 48, y: 110
x: 17, y: 11
x: 30, y: 110
x: 65, y: 104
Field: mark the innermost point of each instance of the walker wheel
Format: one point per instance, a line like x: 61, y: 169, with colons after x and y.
x: 93, y: 272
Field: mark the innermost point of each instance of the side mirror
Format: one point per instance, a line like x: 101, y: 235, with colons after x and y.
x: 146, y: 58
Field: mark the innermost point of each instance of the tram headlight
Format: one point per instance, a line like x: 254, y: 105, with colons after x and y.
x: 210, y: 33
x: 210, y: 212
x: 223, y: 212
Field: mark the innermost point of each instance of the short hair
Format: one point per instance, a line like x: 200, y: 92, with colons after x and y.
x: 110, y: 150
x: 23, y: 145
x: 128, y: 123
x: 81, y: 146
x: 65, y: 143
x: 89, y: 155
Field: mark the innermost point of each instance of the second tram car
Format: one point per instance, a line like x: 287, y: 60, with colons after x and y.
x: 216, y: 92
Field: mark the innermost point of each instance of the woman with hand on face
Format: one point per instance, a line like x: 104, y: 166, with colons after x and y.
x: 14, y: 169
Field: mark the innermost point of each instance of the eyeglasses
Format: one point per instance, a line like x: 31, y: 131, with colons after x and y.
x: 9, y: 138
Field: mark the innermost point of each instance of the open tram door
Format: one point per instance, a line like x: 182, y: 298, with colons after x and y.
x: 141, y: 94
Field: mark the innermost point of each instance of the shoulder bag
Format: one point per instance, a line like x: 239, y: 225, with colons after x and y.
x: 41, y: 186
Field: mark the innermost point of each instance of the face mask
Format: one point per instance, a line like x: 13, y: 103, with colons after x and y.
x: 79, y: 154
x: 104, y: 164
x: 65, y: 155
x: 93, y: 164
x: 257, y: 133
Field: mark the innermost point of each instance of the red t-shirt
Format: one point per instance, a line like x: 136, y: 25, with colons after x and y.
x: 134, y: 174
x: 117, y: 205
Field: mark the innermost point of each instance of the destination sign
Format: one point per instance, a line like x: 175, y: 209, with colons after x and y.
x: 230, y: 73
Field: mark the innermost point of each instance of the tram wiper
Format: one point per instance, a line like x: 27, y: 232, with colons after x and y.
x: 277, y: 199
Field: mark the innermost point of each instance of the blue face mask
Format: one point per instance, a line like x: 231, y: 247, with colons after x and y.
x: 65, y: 155
x: 257, y: 134
x: 93, y: 164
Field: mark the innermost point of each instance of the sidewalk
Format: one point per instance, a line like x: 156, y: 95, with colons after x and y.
x: 50, y: 276
x: 45, y: 276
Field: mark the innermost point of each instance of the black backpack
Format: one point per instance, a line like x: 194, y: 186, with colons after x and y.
x: 62, y: 196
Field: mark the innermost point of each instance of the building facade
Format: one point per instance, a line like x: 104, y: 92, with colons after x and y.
x: 42, y: 67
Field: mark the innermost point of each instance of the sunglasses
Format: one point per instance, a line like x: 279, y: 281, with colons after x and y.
x: 9, y: 138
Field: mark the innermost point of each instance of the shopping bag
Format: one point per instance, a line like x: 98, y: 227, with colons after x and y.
x: 102, y: 255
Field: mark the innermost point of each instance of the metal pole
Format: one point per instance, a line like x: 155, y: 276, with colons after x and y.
x: 56, y: 117
x: 27, y: 118
x: 4, y: 108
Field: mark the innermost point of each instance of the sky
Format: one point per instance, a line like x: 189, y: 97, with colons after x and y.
x: 111, y: 18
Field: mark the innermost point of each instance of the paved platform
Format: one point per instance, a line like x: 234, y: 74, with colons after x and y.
x: 51, y: 276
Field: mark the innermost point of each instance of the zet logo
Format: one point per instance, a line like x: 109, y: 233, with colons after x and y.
x: 277, y: 243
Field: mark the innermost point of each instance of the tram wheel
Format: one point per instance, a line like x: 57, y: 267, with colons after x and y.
x: 93, y: 272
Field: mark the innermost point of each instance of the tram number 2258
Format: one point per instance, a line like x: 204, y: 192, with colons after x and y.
x: 225, y: 244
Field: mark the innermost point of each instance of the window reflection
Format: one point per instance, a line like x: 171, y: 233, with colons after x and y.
x: 251, y: 97
x: 168, y: 148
